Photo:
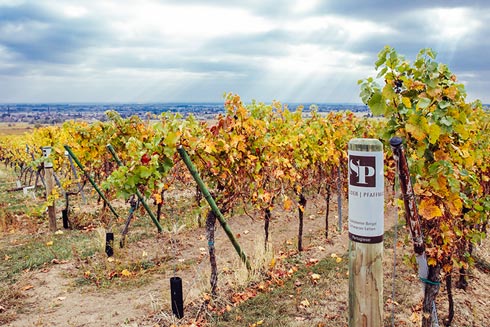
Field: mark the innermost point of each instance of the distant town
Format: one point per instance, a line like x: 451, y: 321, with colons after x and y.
x: 43, y: 114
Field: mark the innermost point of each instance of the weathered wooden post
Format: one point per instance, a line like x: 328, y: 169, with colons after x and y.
x: 366, y: 229
x: 49, y: 180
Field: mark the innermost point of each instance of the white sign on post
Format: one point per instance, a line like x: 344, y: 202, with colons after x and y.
x: 366, y: 195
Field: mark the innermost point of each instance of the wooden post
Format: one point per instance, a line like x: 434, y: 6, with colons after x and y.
x: 49, y: 180
x: 366, y: 229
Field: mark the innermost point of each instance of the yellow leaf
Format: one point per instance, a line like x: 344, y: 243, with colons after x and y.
x: 415, y: 131
x: 418, y: 190
x: 431, y: 261
x: 434, y: 133
x: 429, y: 210
x: 158, y: 198
x: 406, y: 102
x: 125, y: 273
x: 447, y: 268
x: 287, y: 204
x: 455, y: 206
x: 50, y: 243
x: 305, y: 303
x: 338, y: 260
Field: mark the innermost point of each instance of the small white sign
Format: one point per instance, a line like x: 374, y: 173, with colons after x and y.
x: 366, y: 196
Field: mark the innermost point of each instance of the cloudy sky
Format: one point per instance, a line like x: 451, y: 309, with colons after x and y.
x: 195, y: 50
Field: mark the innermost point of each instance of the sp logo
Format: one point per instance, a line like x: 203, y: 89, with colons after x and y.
x: 362, y: 171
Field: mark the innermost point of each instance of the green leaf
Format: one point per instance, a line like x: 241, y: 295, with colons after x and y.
x: 423, y: 103
x: 446, y: 121
x: 382, y: 72
x: 388, y: 92
x: 444, y: 104
x: 376, y: 104
x: 145, y: 172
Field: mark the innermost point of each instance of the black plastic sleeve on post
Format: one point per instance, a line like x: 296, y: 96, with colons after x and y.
x: 64, y: 215
x: 396, y: 141
x: 176, y: 297
x: 109, y: 241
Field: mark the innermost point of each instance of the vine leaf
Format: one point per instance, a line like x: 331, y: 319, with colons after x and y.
x: 428, y: 209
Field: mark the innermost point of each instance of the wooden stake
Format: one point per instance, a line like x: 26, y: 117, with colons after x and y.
x: 49, y: 180
x: 366, y: 229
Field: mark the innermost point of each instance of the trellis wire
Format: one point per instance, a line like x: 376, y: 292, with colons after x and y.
x: 395, y: 240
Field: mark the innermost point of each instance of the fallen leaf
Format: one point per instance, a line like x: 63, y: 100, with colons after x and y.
x: 58, y: 232
x: 110, y: 259
x: 27, y: 287
x: 50, y: 243
x: 126, y: 273
x: 315, y: 277
x: 305, y: 303
x: 415, y: 317
x: 272, y: 264
x: 338, y: 260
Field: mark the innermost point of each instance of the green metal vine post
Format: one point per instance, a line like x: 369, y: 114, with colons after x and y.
x: 79, y: 164
x: 212, y: 204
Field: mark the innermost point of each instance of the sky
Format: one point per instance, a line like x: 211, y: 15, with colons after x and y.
x: 196, y: 50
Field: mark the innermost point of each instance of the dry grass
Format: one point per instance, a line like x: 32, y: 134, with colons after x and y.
x: 15, y: 128
x: 11, y: 301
